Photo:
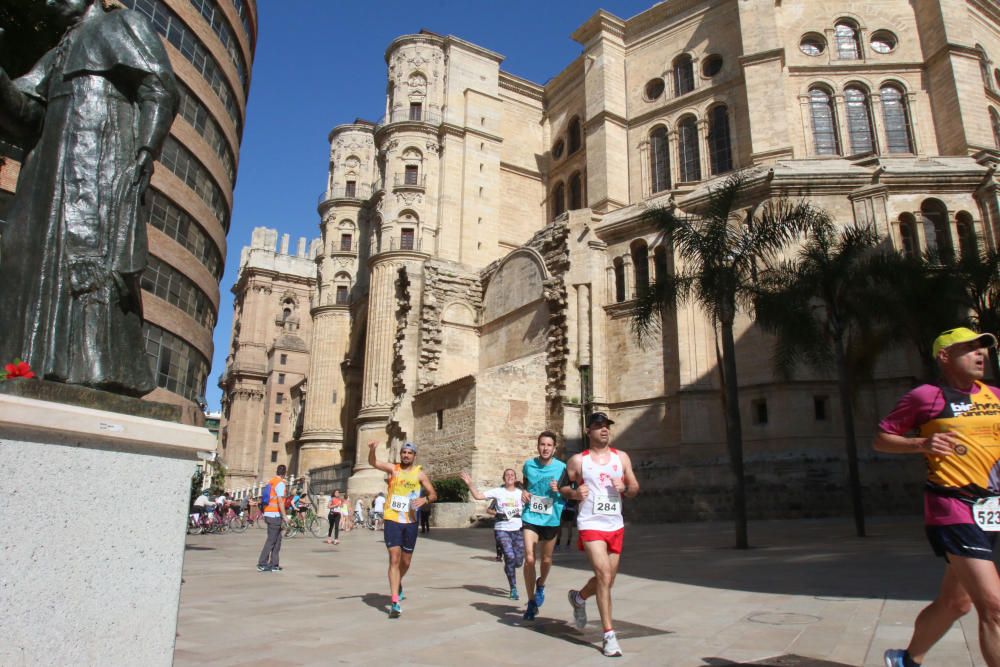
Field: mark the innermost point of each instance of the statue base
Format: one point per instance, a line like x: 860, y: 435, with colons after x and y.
x: 97, y: 399
x: 98, y: 582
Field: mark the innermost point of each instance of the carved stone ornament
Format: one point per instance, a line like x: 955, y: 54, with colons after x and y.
x: 409, y: 198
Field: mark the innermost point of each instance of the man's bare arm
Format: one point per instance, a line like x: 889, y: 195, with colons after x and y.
x: 374, y: 462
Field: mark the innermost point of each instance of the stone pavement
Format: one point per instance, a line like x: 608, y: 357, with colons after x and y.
x: 808, y: 594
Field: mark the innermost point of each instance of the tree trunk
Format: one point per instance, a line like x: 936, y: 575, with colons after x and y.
x: 734, y: 434
x: 850, y: 438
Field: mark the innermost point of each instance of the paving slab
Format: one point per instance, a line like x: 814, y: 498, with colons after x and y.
x: 807, y: 594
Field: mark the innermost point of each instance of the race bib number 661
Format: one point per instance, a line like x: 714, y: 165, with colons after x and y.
x: 986, y: 513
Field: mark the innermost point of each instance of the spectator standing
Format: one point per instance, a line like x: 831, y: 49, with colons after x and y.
x: 274, y: 516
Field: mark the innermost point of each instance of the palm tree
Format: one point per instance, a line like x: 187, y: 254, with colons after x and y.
x: 719, y: 252
x: 824, y: 308
x: 926, y: 298
x: 979, y: 276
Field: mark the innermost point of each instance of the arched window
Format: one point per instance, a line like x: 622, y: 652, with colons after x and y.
x: 575, y: 136
x: 859, y: 120
x: 824, y: 123
x: 683, y: 75
x: 908, y: 235
x: 966, y: 230
x: 719, y: 145
x: 640, y: 264
x: 995, y: 122
x: 687, y: 137
x: 898, y: 134
x: 936, y: 212
x: 619, y: 280
x: 984, y: 66
x: 659, y: 160
x: 660, y: 263
x: 575, y: 192
x: 848, y: 43
x: 558, y: 200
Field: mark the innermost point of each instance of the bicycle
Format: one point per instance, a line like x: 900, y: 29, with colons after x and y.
x: 255, y: 517
x: 299, y: 524
x: 236, y: 521
x: 207, y: 522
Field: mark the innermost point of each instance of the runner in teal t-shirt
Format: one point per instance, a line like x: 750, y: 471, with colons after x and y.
x: 543, y: 507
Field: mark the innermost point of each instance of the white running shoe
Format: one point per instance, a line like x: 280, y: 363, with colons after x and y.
x: 611, y: 647
x: 579, y: 611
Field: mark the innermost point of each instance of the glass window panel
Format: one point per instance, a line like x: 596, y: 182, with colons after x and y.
x: 859, y: 121
x: 824, y: 125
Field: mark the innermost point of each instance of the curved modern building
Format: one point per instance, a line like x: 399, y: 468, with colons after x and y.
x: 211, y: 46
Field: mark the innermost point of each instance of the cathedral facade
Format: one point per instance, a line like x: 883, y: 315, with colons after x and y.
x: 483, y: 243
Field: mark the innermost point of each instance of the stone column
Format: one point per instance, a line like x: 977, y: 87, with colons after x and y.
x: 322, y: 427
x: 376, y: 387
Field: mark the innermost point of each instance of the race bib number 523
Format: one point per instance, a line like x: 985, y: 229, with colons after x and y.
x: 986, y: 513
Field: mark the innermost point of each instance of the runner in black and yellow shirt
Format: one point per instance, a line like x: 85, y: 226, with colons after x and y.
x: 957, y: 429
x: 401, y: 509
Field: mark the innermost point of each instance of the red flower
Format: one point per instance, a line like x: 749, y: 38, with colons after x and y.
x: 18, y: 369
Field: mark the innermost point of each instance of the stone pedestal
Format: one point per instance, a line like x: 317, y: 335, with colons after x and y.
x: 93, y: 514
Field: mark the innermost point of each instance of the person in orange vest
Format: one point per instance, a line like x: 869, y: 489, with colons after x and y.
x: 274, y: 517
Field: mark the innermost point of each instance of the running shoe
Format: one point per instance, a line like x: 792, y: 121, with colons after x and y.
x: 611, y: 647
x: 539, y: 593
x: 395, y: 610
x: 531, y: 611
x: 276, y: 568
x: 513, y: 593
x: 579, y: 611
x: 895, y: 657
x: 263, y: 568
x: 401, y: 595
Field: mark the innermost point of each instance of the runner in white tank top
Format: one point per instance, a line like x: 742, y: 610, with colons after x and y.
x: 602, y: 508
x: 602, y: 477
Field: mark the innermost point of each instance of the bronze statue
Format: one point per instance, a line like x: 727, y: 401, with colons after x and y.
x: 91, y: 115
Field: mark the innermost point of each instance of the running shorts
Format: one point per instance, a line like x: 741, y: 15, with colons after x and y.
x: 961, y: 539
x: 403, y: 535
x: 613, y: 538
x: 545, y: 533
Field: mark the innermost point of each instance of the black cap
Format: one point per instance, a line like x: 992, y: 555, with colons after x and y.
x: 598, y: 417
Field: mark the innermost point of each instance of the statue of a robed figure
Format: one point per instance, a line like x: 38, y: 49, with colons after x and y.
x: 91, y: 115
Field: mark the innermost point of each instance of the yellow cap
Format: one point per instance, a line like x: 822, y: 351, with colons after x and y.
x: 961, y: 335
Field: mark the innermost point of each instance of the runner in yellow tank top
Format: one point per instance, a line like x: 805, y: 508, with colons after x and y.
x: 401, y: 514
x: 404, y: 488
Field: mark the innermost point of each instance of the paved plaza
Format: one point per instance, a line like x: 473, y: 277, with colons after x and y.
x: 808, y: 594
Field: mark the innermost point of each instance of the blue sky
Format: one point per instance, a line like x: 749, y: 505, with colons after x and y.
x: 320, y: 63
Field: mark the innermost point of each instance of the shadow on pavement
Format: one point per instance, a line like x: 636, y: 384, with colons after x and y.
x: 193, y: 547
x: 819, y: 557
x: 561, y: 629
x: 778, y: 661
x: 377, y: 601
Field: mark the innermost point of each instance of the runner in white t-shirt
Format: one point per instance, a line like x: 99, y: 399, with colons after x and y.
x: 507, y: 529
x: 603, y: 476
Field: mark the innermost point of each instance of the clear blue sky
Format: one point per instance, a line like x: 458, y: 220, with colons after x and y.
x: 320, y: 63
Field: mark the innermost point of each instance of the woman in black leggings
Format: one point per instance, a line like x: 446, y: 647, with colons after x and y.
x: 336, y: 505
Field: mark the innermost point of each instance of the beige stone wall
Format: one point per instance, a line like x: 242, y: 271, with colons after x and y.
x: 509, y: 321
